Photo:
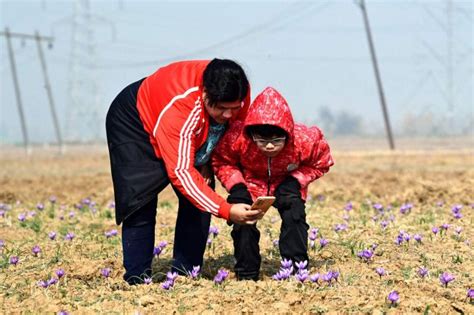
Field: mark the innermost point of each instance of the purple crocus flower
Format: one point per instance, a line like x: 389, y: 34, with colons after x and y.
x: 214, y: 230
x: 209, y: 242
x: 43, y: 284
x: 384, y: 224
x: 171, y: 276
x: 378, y: 207
x: 105, y: 272
x: 446, y: 278
x: 167, y: 285
x: 417, y: 237
x: 52, y: 235
x: 435, y: 230
x: 195, y: 272
x: 312, y: 236
x: 2, y: 213
x: 283, y: 274
x: 69, y: 236
x: 374, y: 246
x: 2, y: 243
x: 458, y: 230
x: 156, y: 251
x: 457, y: 215
x: 111, y: 205
x: 470, y: 293
x: 111, y: 233
x: 348, y: 206
x: 60, y: 273
x: 302, y: 275
x: 439, y: 204
x: 445, y: 226
x: 36, y: 250
x: 456, y: 208
x: 314, y: 278
x: 393, y: 297
x: 63, y: 313
x: 301, y: 264
x: 72, y: 214
x: 334, y: 275
x: 311, y: 244
x: 147, y: 280
x: 323, y: 242
x: 423, y: 272
x: 380, y: 271
x: 340, y: 227
x: 14, y: 260
x: 40, y: 206
x: 366, y: 254
x: 21, y: 217
x: 52, y: 281
x: 346, y: 217
x: 327, y: 277
x: 52, y: 199
x: 221, y: 276
x: 275, y: 243
x: 286, y: 263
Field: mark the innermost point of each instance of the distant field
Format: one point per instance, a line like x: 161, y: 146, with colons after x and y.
x: 437, y: 180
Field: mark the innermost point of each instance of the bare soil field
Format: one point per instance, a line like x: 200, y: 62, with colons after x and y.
x: 439, y: 185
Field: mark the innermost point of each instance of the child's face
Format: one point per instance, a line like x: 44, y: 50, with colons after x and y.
x: 270, y: 147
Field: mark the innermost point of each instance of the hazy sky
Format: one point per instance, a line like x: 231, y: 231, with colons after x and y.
x: 315, y: 53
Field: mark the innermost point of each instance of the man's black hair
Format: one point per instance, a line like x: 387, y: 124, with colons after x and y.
x: 265, y: 131
x: 224, y: 80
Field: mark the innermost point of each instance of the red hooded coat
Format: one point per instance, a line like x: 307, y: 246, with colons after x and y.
x: 237, y: 159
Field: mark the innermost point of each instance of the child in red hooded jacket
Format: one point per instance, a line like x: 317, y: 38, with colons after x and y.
x: 268, y: 154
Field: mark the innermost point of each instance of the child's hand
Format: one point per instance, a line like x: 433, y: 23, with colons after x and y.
x: 240, y: 213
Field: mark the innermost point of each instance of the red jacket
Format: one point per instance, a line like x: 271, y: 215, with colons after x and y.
x: 173, y: 114
x: 237, y: 159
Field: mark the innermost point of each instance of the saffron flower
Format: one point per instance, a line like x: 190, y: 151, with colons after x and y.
x: 21, y: 217
x: 378, y: 207
x: 2, y: 243
x: 380, y: 271
x: 327, y: 277
x: 14, y: 260
x: 423, y: 272
x: 348, y: 206
x: 43, y: 284
x: 221, y: 276
x: 393, y: 297
x: 340, y: 227
x: 36, y: 250
x: 406, y: 208
x: 52, y: 281
x: 384, y: 224
x: 323, y: 242
x: 445, y: 226
x: 52, y: 235
x: 171, y: 276
x: 69, y: 236
x: 214, y: 230
x: 40, y: 206
x: 417, y: 237
x: 195, y: 272
x: 470, y: 294
x: 458, y: 230
x: 301, y: 265
x: 366, y: 255
x: 302, y: 275
x: 314, y: 278
x: 105, y: 272
x: 435, y: 230
x: 167, y: 285
x: 147, y: 280
x: 111, y: 233
x: 52, y: 199
x: 60, y: 273
x: 286, y: 263
x: 446, y: 278
x: 63, y: 313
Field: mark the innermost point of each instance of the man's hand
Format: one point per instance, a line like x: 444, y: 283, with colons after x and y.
x: 240, y: 213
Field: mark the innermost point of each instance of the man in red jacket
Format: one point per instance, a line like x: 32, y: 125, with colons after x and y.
x: 268, y: 154
x: 160, y: 130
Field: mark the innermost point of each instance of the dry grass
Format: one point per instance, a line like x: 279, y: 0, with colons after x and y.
x: 420, y: 177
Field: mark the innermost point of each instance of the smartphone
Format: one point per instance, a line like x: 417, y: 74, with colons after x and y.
x: 263, y: 203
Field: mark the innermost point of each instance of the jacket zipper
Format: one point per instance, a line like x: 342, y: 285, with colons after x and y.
x: 269, y: 173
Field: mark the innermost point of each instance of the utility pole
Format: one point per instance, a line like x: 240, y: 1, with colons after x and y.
x: 388, y: 128
x: 19, y: 103
x: 49, y: 92
x: 8, y: 35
